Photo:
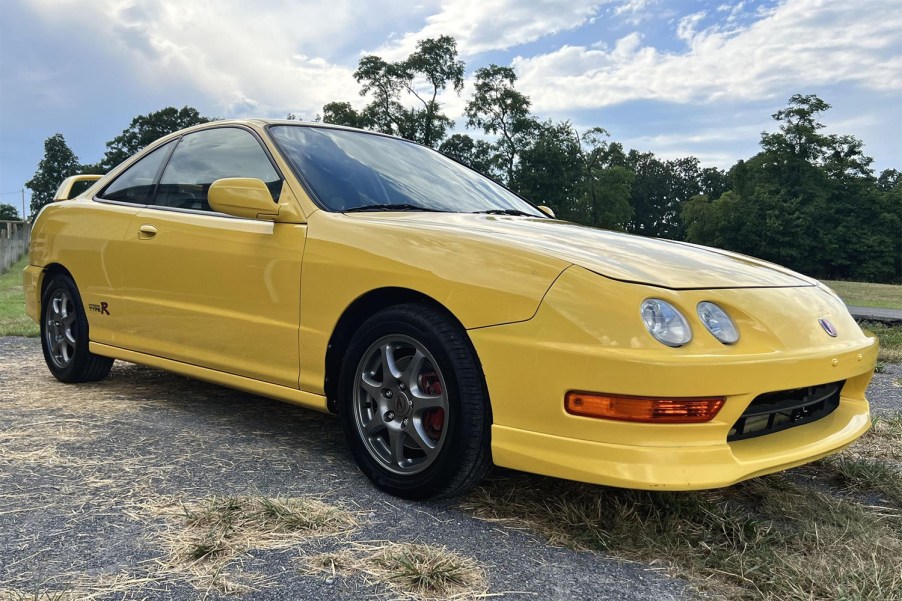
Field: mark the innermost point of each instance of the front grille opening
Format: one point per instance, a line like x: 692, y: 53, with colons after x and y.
x: 775, y: 411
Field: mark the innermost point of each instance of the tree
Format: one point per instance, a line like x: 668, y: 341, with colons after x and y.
x: 9, y: 213
x: 428, y: 71
x: 435, y: 61
x: 808, y: 200
x: 605, y: 184
x: 59, y: 162
x: 549, y: 168
x: 499, y: 109
x: 382, y: 81
x: 342, y: 113
x: 889, y: 179
x: 658, y: 192
x: 144, y: 130
x: 475, y: 154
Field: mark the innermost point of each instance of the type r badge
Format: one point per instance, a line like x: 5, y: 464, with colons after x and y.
x: 102, y: 308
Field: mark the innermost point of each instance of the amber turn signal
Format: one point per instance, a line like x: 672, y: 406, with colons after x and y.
x: 680, y: 410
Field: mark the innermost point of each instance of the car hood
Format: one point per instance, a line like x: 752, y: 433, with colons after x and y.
x: 625, y: 257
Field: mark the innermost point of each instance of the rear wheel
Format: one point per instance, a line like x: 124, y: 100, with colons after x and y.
x: 413, y: 404
x: 64, y: 334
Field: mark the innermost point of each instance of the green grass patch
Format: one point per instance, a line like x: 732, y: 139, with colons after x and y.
x: 890, y: 337
x: 13, y: 320
x: 886, y: 296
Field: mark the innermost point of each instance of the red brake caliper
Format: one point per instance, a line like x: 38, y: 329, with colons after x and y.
x: 434, y: 419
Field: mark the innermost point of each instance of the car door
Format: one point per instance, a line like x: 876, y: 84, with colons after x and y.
x: 209, y: 289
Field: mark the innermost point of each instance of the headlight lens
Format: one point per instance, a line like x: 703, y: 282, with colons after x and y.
x: 665, y: 322
x: 718, y: 322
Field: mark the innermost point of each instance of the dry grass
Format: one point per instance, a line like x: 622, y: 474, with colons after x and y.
x: 408, y: 570
x: 786, y: 536
x: 209, y: 536
x: 85, y: 589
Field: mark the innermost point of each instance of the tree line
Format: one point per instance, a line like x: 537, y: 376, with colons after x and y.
x: 807, y: 200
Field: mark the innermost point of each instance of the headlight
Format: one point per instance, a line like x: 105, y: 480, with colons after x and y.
x: 665, y: 322
x: 718, y: 322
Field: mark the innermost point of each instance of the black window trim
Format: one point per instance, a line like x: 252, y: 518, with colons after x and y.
x: 165, y: 163
x: 156, y: 177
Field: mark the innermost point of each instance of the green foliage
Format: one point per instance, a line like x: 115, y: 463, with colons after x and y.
x: 808, y: 201
x: 550, y: 167
x: 428, y: 71
x: 13, y: 320
x: 500, y: 110
x: 9, y: 213
x: 475, y: 154
x: 143, y: 130
x: 59, y: 162
x: 342, y: 113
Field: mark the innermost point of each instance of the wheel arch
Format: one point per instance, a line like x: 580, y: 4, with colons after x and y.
x: 358, y: 312
x: 52, y: 269
x: 47, y: 273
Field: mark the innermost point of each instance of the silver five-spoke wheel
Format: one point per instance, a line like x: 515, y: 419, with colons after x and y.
x: 401, y: 404
x: 59, y: 330
x: 65, y: 336
x: 413, y: 404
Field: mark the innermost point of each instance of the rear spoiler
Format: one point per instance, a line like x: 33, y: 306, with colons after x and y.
x: 74, y: 185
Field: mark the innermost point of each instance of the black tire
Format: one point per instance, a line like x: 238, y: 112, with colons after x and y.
x: 64, y: 334
x: 433, y: 394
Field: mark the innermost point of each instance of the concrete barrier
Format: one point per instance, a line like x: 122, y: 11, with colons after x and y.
x: 14, y: 238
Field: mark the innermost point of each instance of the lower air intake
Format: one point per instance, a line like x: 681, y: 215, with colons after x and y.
x: 776, y: 411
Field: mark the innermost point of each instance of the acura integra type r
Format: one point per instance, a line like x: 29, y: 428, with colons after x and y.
x: 451, y: 324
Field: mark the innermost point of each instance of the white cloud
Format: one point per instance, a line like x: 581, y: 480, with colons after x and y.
x: 800, y: 44
x: 483, y: 25
x: 634, y: 12
x: 270, y: 62
x: 686, y: 29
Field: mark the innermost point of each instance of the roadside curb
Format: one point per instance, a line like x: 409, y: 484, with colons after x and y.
x: 876, y: 314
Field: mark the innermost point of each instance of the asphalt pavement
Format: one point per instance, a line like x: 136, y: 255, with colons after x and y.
x: 88, y: 471
x: 875, y: 314
x: 90, y: 475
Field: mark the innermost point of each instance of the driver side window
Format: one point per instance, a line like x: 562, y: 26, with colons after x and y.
x: 206, y: 156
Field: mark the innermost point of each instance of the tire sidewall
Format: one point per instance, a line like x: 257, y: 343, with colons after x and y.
x: 449, y: 462
x: 76, y: 366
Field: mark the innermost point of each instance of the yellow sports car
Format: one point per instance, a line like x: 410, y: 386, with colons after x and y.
x: 449, y: 323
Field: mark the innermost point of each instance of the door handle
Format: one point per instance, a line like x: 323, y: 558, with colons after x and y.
x: 146, y: 232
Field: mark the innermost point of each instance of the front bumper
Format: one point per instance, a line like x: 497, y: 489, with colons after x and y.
x: 530, y: 366
x: 678, y: 468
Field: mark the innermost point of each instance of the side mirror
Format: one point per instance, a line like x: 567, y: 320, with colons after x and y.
x: 547, y: 211
x: 246, y: 197
x: 74, y: 185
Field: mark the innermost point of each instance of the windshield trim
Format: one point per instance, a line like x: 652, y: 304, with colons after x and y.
x: 322, y: 205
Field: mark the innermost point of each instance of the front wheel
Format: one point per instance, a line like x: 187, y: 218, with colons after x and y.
x: 64, y: 334
x: 413, y: 404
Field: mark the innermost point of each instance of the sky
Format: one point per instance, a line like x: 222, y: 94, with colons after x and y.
x: 672, y: 77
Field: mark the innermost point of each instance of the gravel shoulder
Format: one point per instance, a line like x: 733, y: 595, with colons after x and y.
x: 93, y: 479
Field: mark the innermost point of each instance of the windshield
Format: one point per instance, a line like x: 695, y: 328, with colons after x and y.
x: 356, y: 171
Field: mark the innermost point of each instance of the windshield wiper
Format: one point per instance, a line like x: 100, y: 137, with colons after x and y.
x: 506, y: 212
x: 391, y: 207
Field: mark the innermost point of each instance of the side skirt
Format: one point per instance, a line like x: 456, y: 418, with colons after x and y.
x: 273, y: 391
